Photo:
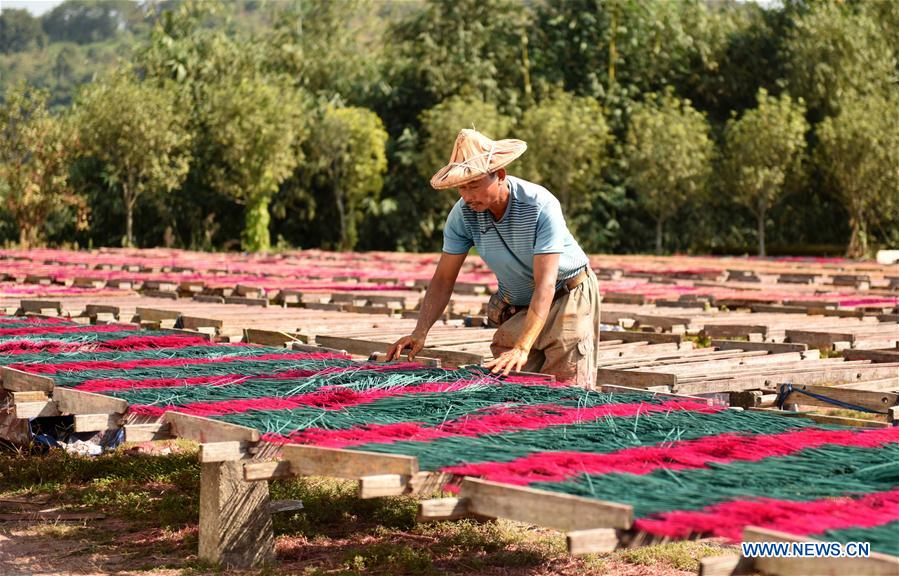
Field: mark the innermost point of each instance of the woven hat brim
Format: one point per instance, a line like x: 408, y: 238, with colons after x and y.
x: 453, y: 176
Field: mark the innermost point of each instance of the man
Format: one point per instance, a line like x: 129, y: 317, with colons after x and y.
x: 547, y: 306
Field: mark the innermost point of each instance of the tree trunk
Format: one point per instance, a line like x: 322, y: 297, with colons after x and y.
x: 341, y: 214
x: 858, y: 241
x: 659, y: 225
x: 526, y: 68
x: 761, y: 224
x: 256, y: 237
x: 23, y: 236
x: 613, y: 44
x: 128, y: 240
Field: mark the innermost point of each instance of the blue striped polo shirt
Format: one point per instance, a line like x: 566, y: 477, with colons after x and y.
x: 533, y: 224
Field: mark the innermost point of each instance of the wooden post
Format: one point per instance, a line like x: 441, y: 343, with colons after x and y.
x: 235, y: 521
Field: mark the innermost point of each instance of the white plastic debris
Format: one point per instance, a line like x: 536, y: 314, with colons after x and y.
x: 83, y: 448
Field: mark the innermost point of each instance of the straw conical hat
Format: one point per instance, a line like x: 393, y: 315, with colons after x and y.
x: 475, y: 155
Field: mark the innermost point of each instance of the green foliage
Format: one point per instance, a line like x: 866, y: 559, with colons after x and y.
x: 592, y: 44
x: 440, y: 126
x: 569, y: 139
x: 833, y: 52
x: 328, y: 48
x: 85, y: 21
x: 136, y: 131
x: 162, y: 489
x: 858, y: 154
x: 252, y: 134
x: 20, y: 31
x: 669, y: 155
x: 762, y: 149
x: 35, y: 149
x: 346, y: 151
x: 466, y: 47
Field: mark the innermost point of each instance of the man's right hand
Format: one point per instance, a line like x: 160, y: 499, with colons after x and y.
x: 412, y: 342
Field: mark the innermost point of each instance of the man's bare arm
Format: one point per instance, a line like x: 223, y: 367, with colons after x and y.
x: 436, y: 298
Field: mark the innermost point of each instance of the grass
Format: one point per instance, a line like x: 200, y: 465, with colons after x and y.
x: 699, y: 340
x: 164, y: 489
x: 680, y: 555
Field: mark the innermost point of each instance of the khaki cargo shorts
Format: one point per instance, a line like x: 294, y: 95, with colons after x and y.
x: 566, y: 348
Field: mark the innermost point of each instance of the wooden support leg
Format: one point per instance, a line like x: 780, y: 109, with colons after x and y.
x: 235, y: 519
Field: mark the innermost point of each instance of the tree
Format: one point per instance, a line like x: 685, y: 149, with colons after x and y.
x: 253, y: 131
x: 468, y: 48
x: 440, y: 126
x: 35, y: 148
x: 567, y: 138
x: 347, y: 152
x: 761, y: 149
x: 834, y: 52
x: 328, y: 47
x: 669, y: 154
x: 592, y: 44
x: 20, y: 31
x: 84, y: 21
x: 858, y: 153
x: 136, y: 130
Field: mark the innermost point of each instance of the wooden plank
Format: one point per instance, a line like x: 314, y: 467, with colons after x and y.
x: 379, y: 485
x: 887, y: 355
x: 826, y: 419
x: 315, y: 349
x: 257, y: 471
x: 731, y: 330
x: 31, y: 410
x: 156, y: 314
x: 268, y: 337
x: 276, y: 506
x: 263, y: 302
x: 170, y: 295
x: 878, y: 401
x: 368, y: 347
x: 194, y: 322
x: 29, y: 396
x: 772, y: 347
x: 39, y: 305
x: 828, y: 375
x: 97, y: 422
x: 147, y: 432
x: 874, y: 565
x: 818, y: 339
x: 235, y: 522
x: 202, y: 429
x: 592, y: 541
x: 430, y: 362
x: 613, y: 389
x: 651, y: 337
x: 439, y: 509
x: 19, y: 381
x: 725, y: 566
x: 634, y: 378
x: 226, y: 451
x: 543, y: 508
x: 339, y: 463
x: 78, y: 402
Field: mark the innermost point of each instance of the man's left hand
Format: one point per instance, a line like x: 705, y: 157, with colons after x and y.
x: 511, y: 360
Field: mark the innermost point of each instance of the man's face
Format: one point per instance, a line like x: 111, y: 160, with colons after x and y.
x: 482, y: 193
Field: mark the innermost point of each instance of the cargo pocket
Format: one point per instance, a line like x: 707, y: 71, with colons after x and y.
x: 586, y: 364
